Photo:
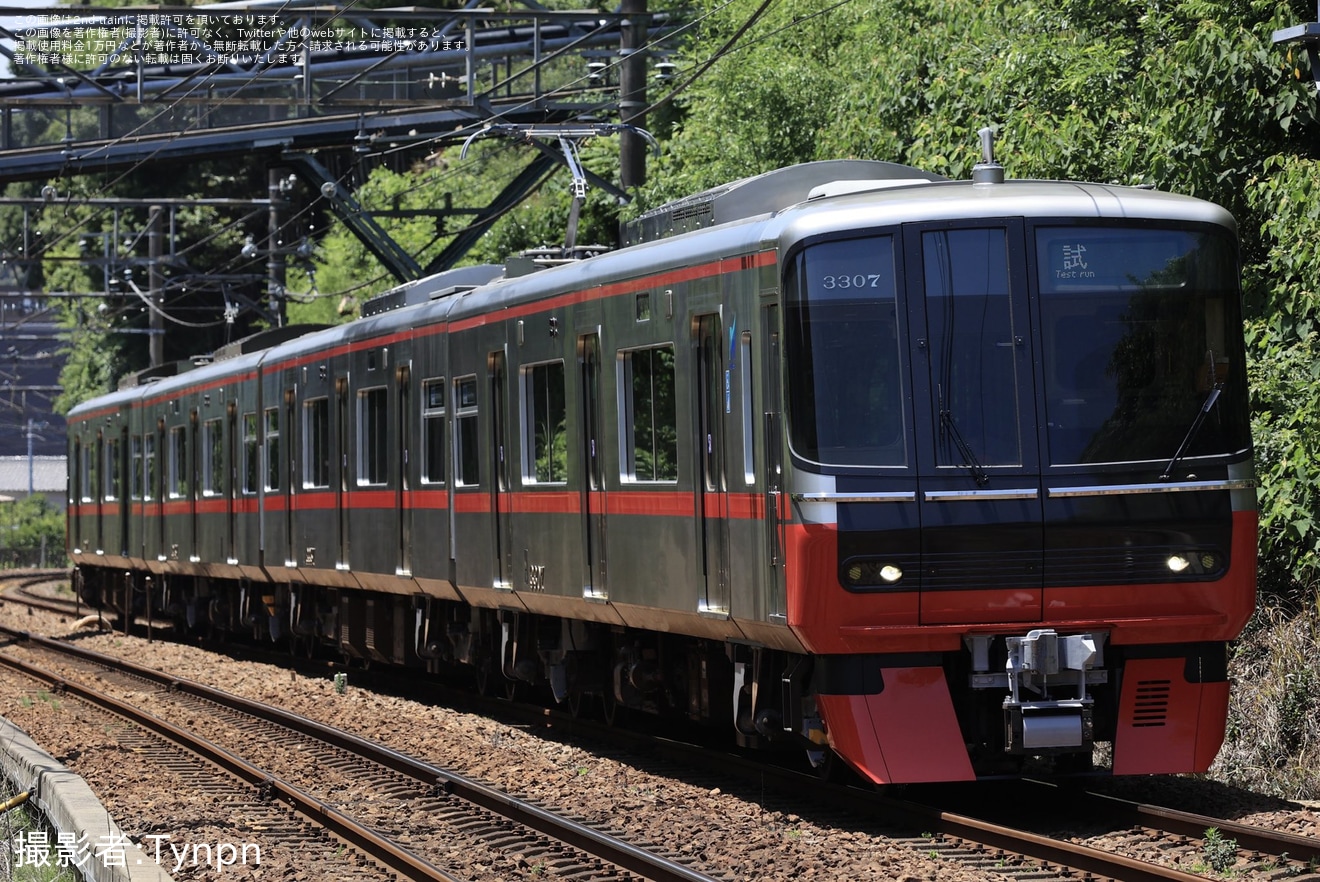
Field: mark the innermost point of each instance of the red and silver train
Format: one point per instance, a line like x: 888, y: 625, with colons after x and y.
x: 947, y: 477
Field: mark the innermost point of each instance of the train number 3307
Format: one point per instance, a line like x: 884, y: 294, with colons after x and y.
x: 855, y: 281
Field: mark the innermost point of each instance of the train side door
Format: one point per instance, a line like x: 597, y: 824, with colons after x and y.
x: 289, y: 455
x: 712, y: 491
x: 231, y: 481
x: 978, y: 468
x: 97, y: 483
x: 159, y: 486
x: 403, y: 481
x: 342, y: 479
x: 125, y: 489
x: 499, y: 452
x: 776, y: 605
x: 593, y: 483
x: 193, y: 463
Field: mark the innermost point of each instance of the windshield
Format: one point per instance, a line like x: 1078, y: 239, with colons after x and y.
x: 1122, y: 336
x: 845, y: 383
x: 1139, y: 328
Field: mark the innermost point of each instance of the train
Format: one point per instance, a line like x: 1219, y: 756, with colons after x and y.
x: 935, y: 480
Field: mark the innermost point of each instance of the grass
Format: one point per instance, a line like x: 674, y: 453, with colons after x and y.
x: 1219, y: 853
x: 31, y: 867
x: 1272, y: 745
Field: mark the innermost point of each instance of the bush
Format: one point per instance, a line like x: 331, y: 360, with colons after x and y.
x: 1273, y: 741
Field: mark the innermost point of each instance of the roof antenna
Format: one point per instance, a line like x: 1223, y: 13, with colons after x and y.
x: 987, y: 171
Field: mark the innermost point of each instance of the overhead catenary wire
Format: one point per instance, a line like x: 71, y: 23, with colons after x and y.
x: 722, y: 52
x: 202, y: 84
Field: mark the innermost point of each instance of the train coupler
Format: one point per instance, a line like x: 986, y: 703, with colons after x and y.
x: 1048, y: 708
x: 1044, y: 664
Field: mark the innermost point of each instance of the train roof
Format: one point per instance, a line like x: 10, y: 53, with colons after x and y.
x: 774, y: 210
x: 957, y: 200
x: 765, y: 194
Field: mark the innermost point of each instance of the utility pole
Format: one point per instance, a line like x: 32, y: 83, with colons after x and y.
x: 275, y: 277
x: 32, y: 427
x: 156, y: 338
x: 632, y: 93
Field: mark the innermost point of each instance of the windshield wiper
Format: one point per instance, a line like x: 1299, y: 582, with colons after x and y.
x: 969, y: 458
x: 1196, y: 423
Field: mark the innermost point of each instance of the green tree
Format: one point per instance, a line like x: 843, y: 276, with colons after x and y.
x: 30, y: 529
x: 1189, y: 96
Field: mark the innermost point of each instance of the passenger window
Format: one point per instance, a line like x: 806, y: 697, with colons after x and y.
x: 316, y: 443
x: 433, y: 431
x: 372, y: 436
x: 466, y: 441
x: 649, y: 427
x: 545, y: 449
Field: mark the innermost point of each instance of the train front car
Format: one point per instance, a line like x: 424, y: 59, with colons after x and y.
x: 1021, y: 520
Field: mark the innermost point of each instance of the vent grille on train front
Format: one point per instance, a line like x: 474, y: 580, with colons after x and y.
x: 1152, y: 703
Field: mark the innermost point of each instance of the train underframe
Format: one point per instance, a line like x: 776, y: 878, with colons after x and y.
x: 1003, y: 705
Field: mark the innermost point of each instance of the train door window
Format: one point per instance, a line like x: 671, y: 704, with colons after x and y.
x: 744, y: 368
x: 149, y: 466
x: 272, y: 448
x: 433, y: 431
x: 969, y: 314
x: 178, y: 462
x: 78, y: 478
x: 251, y: 450
x: 87, y: 469
x: 545, y: 449
x: 648, y: 439
x: 467, y: 453
x: 213, y: 458
x: 372, y: 436
x: 134, y: 467
x: 316, y: 443
x: 112, y: 477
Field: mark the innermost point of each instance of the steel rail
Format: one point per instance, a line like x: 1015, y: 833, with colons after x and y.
x: 317, y: 812
x: 1192, y: 825
x: 1068, y: 854
x: 914, y: 816
x: 14, y: 589
x: 581, y: 836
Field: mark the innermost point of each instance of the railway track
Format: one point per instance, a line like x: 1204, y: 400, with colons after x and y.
x: 1011, y: 849
x: 410, y: 800
x: 1000, y: 844
x: 18, y: 588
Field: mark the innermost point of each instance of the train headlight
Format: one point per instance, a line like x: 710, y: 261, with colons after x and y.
x: 1177, y: 563
x: 870, y: 573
